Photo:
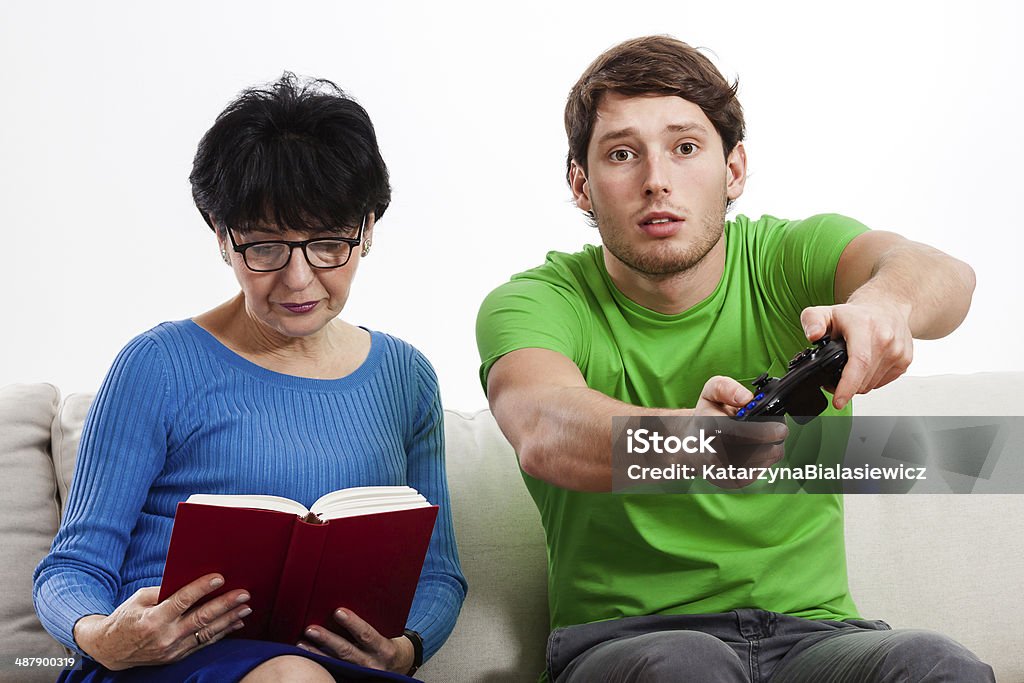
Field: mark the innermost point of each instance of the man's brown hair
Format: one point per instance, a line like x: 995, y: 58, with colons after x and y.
x: 651, y: 65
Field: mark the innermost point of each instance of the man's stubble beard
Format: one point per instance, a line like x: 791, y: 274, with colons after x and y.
x: 665, y: 259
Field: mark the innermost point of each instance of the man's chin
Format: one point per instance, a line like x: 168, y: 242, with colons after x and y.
x: 658, y: 264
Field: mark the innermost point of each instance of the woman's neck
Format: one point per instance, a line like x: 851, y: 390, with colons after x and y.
x: 334, y: 351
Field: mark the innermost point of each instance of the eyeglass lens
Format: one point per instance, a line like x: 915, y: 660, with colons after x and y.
x: 324, y: 253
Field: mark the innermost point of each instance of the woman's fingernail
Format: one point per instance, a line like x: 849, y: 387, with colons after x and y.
x: 242, y: 598
x: 245, y: 612
x: 312, y: 633
x: 341, y: 615
x: 216, y: 583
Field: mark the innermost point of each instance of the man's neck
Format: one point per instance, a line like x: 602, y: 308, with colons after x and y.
x: 674, y: 293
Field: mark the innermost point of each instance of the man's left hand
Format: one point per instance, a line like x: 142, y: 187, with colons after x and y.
x: 878, y: 343
x: 365, y: 646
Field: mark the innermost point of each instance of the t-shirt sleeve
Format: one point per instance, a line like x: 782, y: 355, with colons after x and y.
x: 529, y: 313
x: 798, y: 262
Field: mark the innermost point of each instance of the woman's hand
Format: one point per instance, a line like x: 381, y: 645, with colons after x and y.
x: 366, y: 647
x: 142, y: 631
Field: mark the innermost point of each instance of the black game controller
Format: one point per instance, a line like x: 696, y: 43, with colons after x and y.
x: 798, y: 394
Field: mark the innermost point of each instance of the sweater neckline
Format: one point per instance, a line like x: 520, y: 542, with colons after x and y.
x: 358, y: 376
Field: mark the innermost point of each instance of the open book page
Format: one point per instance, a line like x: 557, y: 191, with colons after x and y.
x: 365, y: 500
x: 359, y: 500
x: 276, y: 503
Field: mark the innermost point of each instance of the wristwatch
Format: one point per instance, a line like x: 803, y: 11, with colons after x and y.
x: 417, y: 650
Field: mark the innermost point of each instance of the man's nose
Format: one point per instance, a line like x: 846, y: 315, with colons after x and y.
x: 656, y: 176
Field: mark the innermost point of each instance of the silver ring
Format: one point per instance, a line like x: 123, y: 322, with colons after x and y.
x: 199, y: 641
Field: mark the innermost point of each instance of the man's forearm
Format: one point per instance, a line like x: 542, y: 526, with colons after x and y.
x: 932, y: 289
x: 568, y: 441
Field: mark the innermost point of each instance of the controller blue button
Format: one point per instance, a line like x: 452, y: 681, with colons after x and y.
x: 742, y: 412
x: 751, y: 405
x: 759, y: 397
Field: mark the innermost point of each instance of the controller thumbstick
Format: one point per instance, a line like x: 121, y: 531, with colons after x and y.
x: 761, y: 381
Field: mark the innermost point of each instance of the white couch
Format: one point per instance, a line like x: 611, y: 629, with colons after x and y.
x: 953, y: 563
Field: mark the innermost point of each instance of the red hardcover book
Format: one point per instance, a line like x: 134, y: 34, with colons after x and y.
x: 360, y: 548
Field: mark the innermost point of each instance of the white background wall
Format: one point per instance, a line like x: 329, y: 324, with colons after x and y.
x: 905, y: 115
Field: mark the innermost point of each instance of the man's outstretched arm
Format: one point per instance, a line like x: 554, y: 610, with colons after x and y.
x: 891, y: 290
x: 562, y: 429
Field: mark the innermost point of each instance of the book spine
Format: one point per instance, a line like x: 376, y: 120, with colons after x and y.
x: 296, y: 587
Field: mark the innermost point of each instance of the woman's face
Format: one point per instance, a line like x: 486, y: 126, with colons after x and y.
x: 298, y: 300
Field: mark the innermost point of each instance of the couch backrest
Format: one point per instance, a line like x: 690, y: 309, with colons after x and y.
x: 29, y: 512
x: 503, y: 628
x: 946, y: 562
x: 951, y: 563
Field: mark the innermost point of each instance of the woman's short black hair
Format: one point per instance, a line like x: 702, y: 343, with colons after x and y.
x: 299, y: 154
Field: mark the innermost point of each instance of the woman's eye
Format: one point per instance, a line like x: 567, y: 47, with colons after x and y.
x: 330, y: 247
x: 687, y: 148
x: 265, y: 250
x: 621, y: 155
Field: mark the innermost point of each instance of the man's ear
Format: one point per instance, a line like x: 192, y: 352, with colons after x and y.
x: 580, y: 187
x: 736, y: 172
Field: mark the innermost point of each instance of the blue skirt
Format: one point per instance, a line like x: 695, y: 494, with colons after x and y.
x: 222, y: 662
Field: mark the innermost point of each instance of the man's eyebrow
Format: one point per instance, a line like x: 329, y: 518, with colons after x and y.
x: 619, y: 134
x: 692, y: 127
x: 616, y: 135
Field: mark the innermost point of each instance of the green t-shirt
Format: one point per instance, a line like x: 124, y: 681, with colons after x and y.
x: 617, y: 555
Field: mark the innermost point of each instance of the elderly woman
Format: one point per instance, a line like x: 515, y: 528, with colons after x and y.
x: 270, y: 392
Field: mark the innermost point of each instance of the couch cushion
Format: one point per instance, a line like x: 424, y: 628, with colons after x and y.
x: 28, y: 518
x: 503, y: 627
x: 946, y: 562
x: 66, y: 431
x: 980, y: 394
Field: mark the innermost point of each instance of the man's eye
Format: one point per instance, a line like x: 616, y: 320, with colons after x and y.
x: 621, y: 155
x: 687, y: 148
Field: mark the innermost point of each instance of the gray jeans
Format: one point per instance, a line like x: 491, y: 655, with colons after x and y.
x: 754, y: 646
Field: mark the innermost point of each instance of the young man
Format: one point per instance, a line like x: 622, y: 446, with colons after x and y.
x: 661, y: 319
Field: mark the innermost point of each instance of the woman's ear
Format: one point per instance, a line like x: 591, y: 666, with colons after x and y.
x: 371, y: 220
x: 222, y: 242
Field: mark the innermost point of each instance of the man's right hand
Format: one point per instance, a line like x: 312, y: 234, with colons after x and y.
x: 722, y: 396
x: 142, y: 631
x: 747, y: 444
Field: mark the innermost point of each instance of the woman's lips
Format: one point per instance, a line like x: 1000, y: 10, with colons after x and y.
x: 304, y: 307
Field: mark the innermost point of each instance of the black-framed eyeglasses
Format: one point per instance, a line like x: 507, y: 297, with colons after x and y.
x: 266, y: 256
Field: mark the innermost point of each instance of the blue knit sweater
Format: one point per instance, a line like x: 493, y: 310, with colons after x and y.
x: 179, y: 413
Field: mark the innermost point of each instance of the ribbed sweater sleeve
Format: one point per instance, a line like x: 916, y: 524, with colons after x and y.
x: 441, y: 583
x: 121, y: 451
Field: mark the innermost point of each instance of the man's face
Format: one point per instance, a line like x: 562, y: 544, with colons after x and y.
x: 657, y: 182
